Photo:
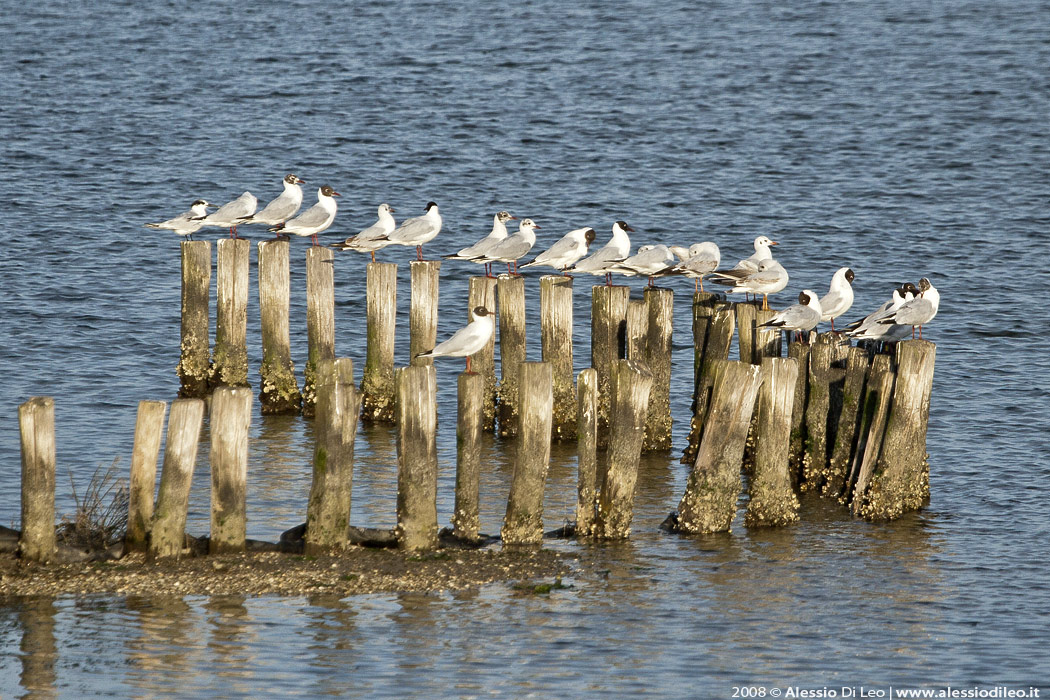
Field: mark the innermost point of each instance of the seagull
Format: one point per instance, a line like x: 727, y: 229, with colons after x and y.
x: 467, y: 340
x: 569, y: 248
x: 679, y: 251
x: 315, y: 219
x: 418, y: 230
x: 616, y: 250
x: 769, y: 278
x: 918, y: 311
x: 869, y: 328
x: 801, y: 317
x: 374, y: 237
x: 650, y: 260
x: 282, y: 208
x: 839, y: 298
x: 229, y: 215
x: 762, y: 252
x: 512, y: 248
x: 186, y: 223
x: 700, y: 260
x: 497, y: 234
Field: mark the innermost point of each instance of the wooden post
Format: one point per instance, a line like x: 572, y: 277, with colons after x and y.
x: 796, y: 446
x: 608, y: 328
x: 320, y: 319
x: 465, y: 518
x: 194, y: 367
x: 845, y: 436
x: 556, y: 340
x: 328, y: 511
x: 586, y: 449
x: 875, y: 408
x: 815, y: 459
x: 630, y: 384
x: 230, y: 356
x: 149, y: 426
x: 523, y: 523
x: 746, y: 314
x: 173, y: 498
x: 377, y: 385
x: 767, y: 340
x: 36, y: 423
x: 416, y: 458
x: 423, y: 311
x: 511, y: 294
x: 709, y: 503
x: 483, y: 293
x: 637, y: 331
x: 231, y: 415
x: 279, y: 392
x: 771, y: 499
x: 718, y: 338
x: 660, y: 305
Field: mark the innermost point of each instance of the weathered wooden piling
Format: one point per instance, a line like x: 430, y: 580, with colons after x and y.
x: 168, y: 533
x: 377, y: 384
x: 846, y: 435
x: 483, y: 293
x: 465, y: 518
x: 796, y: 444
x: 660, y: 306
x: 713, y: 487
x: 746, y: 315
x: 523, y: 523
x: 586, y: 450
x: 231, y: 415
x: 279, y: 392
x: 766, y: 340
x: 608, y: 331
x: 423, y: 311
x: 417, y: 527
x: 320, y: 319
x: 556, y: 341
x: 637, y: 331
x: 875, y: 405
x: 716, y: 331
x: 815, y: 458
x: 630, y: 385
x: 771, y: 499
x: 36, y: 423
x: 328, y: 511
x: 510, y: 292
x: 229, y: 363
x: 149, y: 427
x: 194, y: 367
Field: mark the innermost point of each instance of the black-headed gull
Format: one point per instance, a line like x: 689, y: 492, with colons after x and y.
x: 869, y: 328
x: 418, y: 230
x: 467, y: 340
x: 569, y: 249
x: 315, y: 219
x: 649, y: 261
x: 918, y: 311
x: 698, y: 261
x: 616, y: 250
x: 839, y: 298
x: 768, y: 278
x: 229, y: 215
x: 188, y: 222
x: 497, y: 234
x: 282, y: 207
x: 374, y: 237
x: 514, y: 247
x: 801, y: 317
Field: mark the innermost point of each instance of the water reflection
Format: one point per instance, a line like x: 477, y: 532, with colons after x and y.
x: 39, y: 651
x: 167, y: 643
x: 333, y: 645
x: 231, y: 642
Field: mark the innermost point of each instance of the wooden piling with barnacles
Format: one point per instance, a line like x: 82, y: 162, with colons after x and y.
x: 280, y: 391
x: 608, y: 329
x: 465, y: 517
x: 815, y: 457
x: 231, y: 415
x: 771, y: 498
x: 36, y: 424
x: 874, y: 409
x: 417, y: 527
x: 149, y: 427
x: 556, y: 341
x: 586, y: 450
x: 377, y: 384
x: 423, y: 310
x: 229, y: 363
x: 796, y: 444
x: 483, y: 293
x: 320, y: 319
x: 841, y: 451
x: 510, y: 292
x: 660, y: 307
x: 523, y: 523
x: 194, y: 367
x: 168, y: 533
x: 717, y: 334
x: 766, y: 340
x: 746, y: 315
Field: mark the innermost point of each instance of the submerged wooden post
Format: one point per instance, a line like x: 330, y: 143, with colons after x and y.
x: 771, y: 499
x: 149, y: 426
x: 797, y: 443
x: 608, y: 328
x: 173, y: 498
x: 423, y: 311
x: 637, y: 330
x: 465, y: 518
x: 630, y: 385
x: 713, y: 487
x: 194, y: 366
x: 523, y: 523
x: 229, y: 364
x: 846, y: 435
x: 483, y: 293
x: 417, y: 527
x: 320, y: 319
x: 874, y: 409
x: 660, y: 306
x: 36, y: 423
x: 718, y: 338
x: 556, y: 341
x: 279, y: 392
x: 586, y: 449
x: 511, y: 294
x: 377, y: 384
x: 231, y: 415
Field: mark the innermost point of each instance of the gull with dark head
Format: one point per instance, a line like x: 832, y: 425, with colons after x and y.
x: 315, y: 219
x: 869, y: 328
x: 282, y: 207
x: 467, y: 340
x: 188, y: 222
x: 800, y: 318
x: 768, y: 278
x: 700, y: 260
x: 514, y: 247
x: 564, y: 254
x: 616, y: 250
x: 839, y: 298
x: 418, y: 230
x: 649, y: 261
x: 476, y: 252
x: 918, y: 311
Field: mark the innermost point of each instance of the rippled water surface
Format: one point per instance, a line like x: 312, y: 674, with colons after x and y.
x: 900, y: 138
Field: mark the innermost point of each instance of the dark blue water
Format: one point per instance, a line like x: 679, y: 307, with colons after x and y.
x: 900, y: 138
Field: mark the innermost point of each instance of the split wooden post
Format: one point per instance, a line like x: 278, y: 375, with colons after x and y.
x: 718, y: 338
x: 660, y: 306
x: 874, y: 409
x: 229, y: 364
x: 630, y: 384
x: 796, y: 447
x: 846, y: 436
x: 523, y: 523
x: 608, y: 329
x: 423, y: 310
x: 772, y: 501
x: 149, y: 427
x: 194, y: 368
x: 637, y: 331
x: 320, y: 319
x: 511, y: 295
x: 586, y: 448
x: 746, y: 314
x: 36, y: 423
x: 280, y: 391
x: 417, y: 527
x: 231, y: 415
x: 377, y: 384
x: 483, y: 293
x: 556, y: 341
x: 180, y: 455
x: 465, y: 518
